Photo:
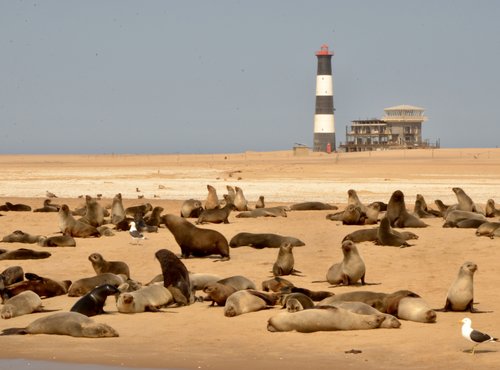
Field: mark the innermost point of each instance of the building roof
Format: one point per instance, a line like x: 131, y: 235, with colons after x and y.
x: 404, y: 107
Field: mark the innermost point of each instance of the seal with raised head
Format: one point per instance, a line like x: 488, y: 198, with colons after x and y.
x: 140, y: 209
x: 361, y: 308
x: 240, y: 201
x: 191, y: 208
x: 398, y: 215
x: 260, y: 202
x: 117, y: 210
x: 323, y: 318
x: 83, y: 286
x: 245, y: 301
x: 175, y: 277
x: 284, y: 264
x: 263, y: 240
x: 217, y: 215
x: 48, y: 207
x: 386, y: 236
x: 465, y: 203
x: 94, y: 212
x: 231, y: 194
x: 491, y: 210
x: 350, y: 270
x: 22, y: 304
x: 149, y: 298
x: 155, y: 218
x: 196, y: 241
x: 65, y: 323
x: 102, y: 266
x: 426, y: 211
x: 212, y: 200
x: 92, y: 303
x: 72, y: 227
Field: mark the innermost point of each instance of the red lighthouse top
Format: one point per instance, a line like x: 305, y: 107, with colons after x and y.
x: 324, y: 50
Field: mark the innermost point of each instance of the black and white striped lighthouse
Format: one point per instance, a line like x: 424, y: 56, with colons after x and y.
x: 324, y: 124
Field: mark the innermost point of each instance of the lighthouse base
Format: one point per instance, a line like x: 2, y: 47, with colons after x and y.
x: 324, y: 142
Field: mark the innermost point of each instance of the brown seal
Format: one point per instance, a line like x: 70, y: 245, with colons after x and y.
x: 238, y: 282
x: 231, y: 194
x: 212, y: 200
x: 428, y: 212
x: 149, y: 298
x: 491, y: 210
x: 465, y: 202
x: 325, y: 318
x: 85, y: 285
x: 20, y: 236
x: 102, y: 266
x: 455, y: 217
x: 22, y: 304
x: 191, y: 208
x: 350, y: 270
x: 294, y: 302
x: 65, y: 323
x: 216, y: 216
x: 140, y: 210
x: 196, y: 241
x: 263, y: 240
x: 489, y: 229
x: 276, y: 284
x: 22, y: 254
x: 48, y: 207
x: 420, y: 211
x: 386, y: 236
x: 218, y: 293
x: 260, y: 202
x: 155, y: 218
x: 44, y: 287
x: 398, y: 215
x: 415, y: 309
x: 70, y: 226
x: 240, y: 201
x: 94, y: 212
x: 264, y: 212
x: 57, y: 241
x: 351, y: 215
x: 12, y: 274
x: 200, y: 280
x: 175, y: 277
x: 312, y: 206
x: 117, y: 210
x: 361, y: 308
x: 285, y: 262
x: 245, y: 301
x: 19, y: 207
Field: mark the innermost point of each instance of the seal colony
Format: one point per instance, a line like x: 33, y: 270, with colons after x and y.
x: 256, y: 264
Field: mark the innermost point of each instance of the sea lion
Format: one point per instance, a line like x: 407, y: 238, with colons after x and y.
x: 285, y: 261
x: 350, y: 270
x: 398, y: 215
x: 24, y: 303
x: 415, y: 309
x: 361, y: 308
x: 94, y: 213
x: 238, y: 282
x: 465, y: 202
x: 260, y: 202
x: 276, y: 284
x: 231, y: 194
x: 386, y: 236
x: 140, y: 209
x: 199, y: 281
x: 454, y: 217
x: 351, y: 215
x: 419, y: 210
x: 212, y: 200
x: 83, y: 286
x: 48, y: 207
x: 102, y: 266
x: 294, y: 302
x: 491, y: 210
x: 149, y: 298
x: 191, y: 208
x: 72, y: 227
x: 460, y: 295
x: 264, y: 212
x: 488, y: 229
x: 44, y: 287
x: 443, y: 208
x: 196, y: 241
x: 245, y: 301
x: 57, y: 241
x: 425, y: 211
x: 23, y: 254
x: 65, y: 323
x: 19, y: 207
x: 218, y: 293
x: 92, y: 303
x: 240, y: 202
x: 155, y: 218
x: 263, y: 240
x: 117, y: 210
x: 217, y: 215
x: 312, y: 206
x: 326, y: 318
x: 315, y: 295
x: 20, y: 236
x: 365, y: 235
x: 175, y: 276
x: 12, y: 274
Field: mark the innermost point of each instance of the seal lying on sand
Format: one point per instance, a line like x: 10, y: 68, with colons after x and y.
x: 20, y: 236
x: 263, y: 240
x: 23, y: 254
x: 149, y: 298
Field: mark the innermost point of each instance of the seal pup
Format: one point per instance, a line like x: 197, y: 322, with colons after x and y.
x: 92, y: 303
x: 48, y: 206
x: 175, y: 277
x: 245, y: 301
x: 65, y: 323
x: 263, y: 240
x: 460, y: 295
x: 22, y: 304
x: 390, y: 321
x: 19, y: 236
x: 276, y: 284
x: 386, y: 236
x: 415, y: 309
x: 285, y: 262
x: 57, y: 241
x: 350, y: 270
x: 82, y: 286
x: 117, y: 210
x: 260, y: 202
x: 212, y: 200
x: 102, y: 266
x: 196, y: 241
x: 149, y: 298
x: 72, y: 227
x: 12, y: 274
x: 398, y: 215
x: 240, y: 201
x: 217, y: 215
x: 23, y: 254
x: 191, y: 208
x: 140, y: 209
x: 294, y: 302
x: 323, y: 318
x: 491, y: 210
x: 155, y: 218
x: 425, y: 209
x: 44, y: 287
x: 218, y: 293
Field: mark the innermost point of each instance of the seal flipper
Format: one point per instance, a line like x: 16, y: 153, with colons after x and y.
x: 14, y: 331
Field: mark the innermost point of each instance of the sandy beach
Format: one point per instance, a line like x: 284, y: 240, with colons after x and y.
x: 201, y: 337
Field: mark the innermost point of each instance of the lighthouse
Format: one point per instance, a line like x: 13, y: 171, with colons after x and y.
x: 324, y: 125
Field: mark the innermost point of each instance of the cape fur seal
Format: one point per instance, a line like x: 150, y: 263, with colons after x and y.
x: 20, y: 236
x: 455, y: 217
x: 48, y: 207
x: 240, y: 201
x: 312, y: 206
x: 260, y: 202
x: 117, y: 210
x: 294, y: 302
x: 491, y: 210
x: 238, y: 282
x: 231, y: 194
x: 101, y: 266
x: 263, y: 240
x: 92, y: 303
x: 83, y: 286
x: 212, y: 200
x: 284, y: 264
x: 24, y: 303
x: 72, y: 227
x: 490, y: 229
x: 387, y: 237
x: 323, y: 318
x: 191, y: 208
x: 19, y: 207
x: 175, y: 277
x: 155, y: 218
x: 277, y: 211
x: 390, y: 321
x: 66, y: 323
x: 57, y: 241
x: 200, y: 280
x: 140, y: 209
x: 365, y: 235
x: 149, y: 298
x: 415, y: 309
x: 94, y: 212
x: 465, y: 202
x: 23, y: 254
x: 276, y: 284
x: 245, y: 301
x: 351, y: 215
x: 216, y: 216
x: 196, y: 241
x: 218, y: 293
x: 398, y: 215
x: 12, y: 274
x: 44, y: 287
x: 350, y: 270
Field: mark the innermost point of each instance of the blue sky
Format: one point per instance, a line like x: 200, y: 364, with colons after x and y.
x: 230, y: 76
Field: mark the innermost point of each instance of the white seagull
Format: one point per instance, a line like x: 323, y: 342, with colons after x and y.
x: 134, y: 233
x: 474, y: 336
